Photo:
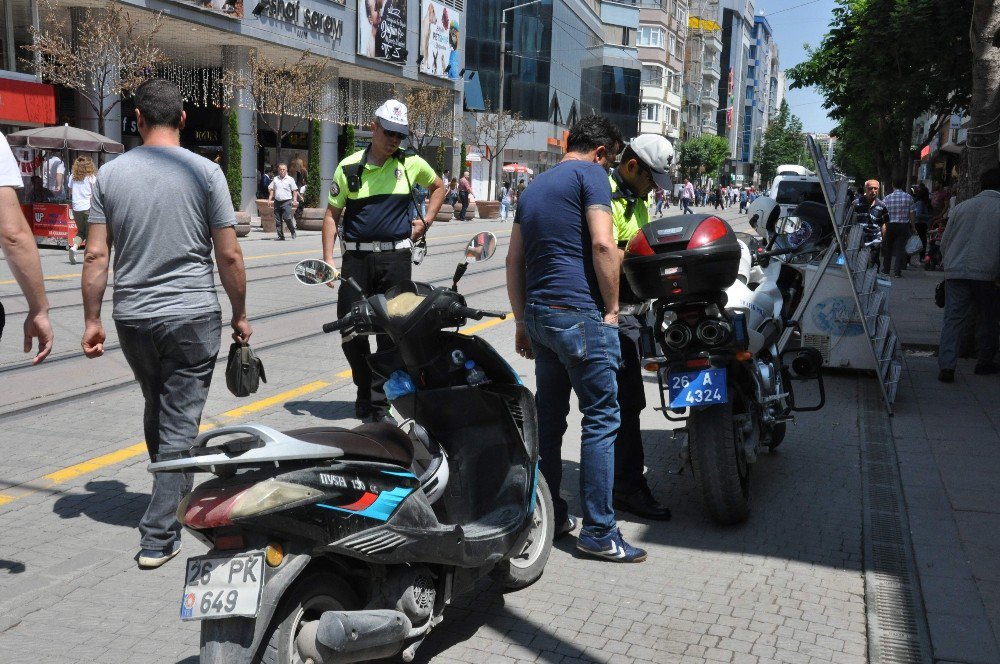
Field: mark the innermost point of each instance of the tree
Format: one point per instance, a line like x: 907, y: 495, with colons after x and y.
x: 234, y: 160
x: 783, y: 143
x: 494, y: 130
x: 430, y: 115
x: 313, y: 180
x: 877, y: 76
x: 106, y: 58
x: 440, y: 157
x: 981, y: 150
x: 350, y: 146
x: 283, y: 89
x: 704, y: 154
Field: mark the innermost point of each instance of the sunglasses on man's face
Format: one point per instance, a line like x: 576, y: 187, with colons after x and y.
x: 393, y: 134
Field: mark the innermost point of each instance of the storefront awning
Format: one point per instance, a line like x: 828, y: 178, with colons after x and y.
x: 25, y: 102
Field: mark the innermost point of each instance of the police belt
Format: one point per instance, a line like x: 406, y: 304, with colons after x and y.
x: 378, y: 246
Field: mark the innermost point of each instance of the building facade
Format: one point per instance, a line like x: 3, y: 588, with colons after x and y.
x: 565, y: 59
x: 662, y: 46
x: 703, y: 70
x: 371, y: 56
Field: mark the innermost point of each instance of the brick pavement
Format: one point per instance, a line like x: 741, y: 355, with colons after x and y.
x: 786, y: 586
x: 948, y: 442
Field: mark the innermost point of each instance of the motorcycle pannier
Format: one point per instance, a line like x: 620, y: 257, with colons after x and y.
x: 682, y: 258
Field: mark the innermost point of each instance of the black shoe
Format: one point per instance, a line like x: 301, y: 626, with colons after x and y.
x: 568, y: 526
x: 363, y: 410
x: 281, y: 237
x: 986, y: 368
x: 946, y: 375
x: 643, y: 504
x: 294, y: 235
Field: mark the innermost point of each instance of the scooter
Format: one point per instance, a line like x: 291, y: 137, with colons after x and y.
x: 721, y: 311
x: 333, y: 545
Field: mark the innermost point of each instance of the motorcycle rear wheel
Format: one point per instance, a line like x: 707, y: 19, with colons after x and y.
x: 308, y: 598
x: 720, y: 466
x: 525, y: 568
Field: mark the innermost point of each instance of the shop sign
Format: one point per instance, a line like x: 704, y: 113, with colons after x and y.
x: 23, y: 101
x: 228, y: 8
x: 439, y: 39
x: 293, y: 12
x: 382, y: 30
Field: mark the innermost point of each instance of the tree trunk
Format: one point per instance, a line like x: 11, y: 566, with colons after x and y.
x: 982, y: 151
x: 278, y: 137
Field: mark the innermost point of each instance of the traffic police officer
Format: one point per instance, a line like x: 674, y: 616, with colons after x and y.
x: 643, y: 166
x: 371, y: 205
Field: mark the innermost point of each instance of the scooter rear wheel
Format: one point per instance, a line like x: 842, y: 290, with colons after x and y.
x: 523, y: 569
x: 307, y: 600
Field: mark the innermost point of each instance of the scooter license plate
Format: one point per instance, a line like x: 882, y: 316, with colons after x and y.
x: 223, y: 587
x: 697, y: 388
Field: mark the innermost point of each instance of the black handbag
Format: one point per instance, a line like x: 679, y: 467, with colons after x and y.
x: 939, y: 294
x: 244, y: 371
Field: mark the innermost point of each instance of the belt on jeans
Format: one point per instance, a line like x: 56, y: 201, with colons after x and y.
x: 378, y: 246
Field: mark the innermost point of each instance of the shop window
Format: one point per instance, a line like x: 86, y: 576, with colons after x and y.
x: 15, y: 34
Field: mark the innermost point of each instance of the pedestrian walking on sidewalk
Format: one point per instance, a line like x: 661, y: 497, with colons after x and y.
x: 902, y: 216
x: 506, y: 197
x: 687, y: 196
x: 81, y: 184
x: 562, y: 280
x: 971, y: 247
x: 281, y: 193
x: 464, y: 193
x: 18, y: 244
x: 166, y: 310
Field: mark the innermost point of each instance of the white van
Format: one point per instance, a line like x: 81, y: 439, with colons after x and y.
x: 795, y: 184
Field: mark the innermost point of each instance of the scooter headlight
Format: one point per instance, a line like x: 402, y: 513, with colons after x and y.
x: 269, y: 495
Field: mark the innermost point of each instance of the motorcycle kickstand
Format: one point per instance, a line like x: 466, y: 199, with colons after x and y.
x: 411, y: 651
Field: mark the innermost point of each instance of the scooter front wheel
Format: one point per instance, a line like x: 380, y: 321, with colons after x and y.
x: 523, y: 569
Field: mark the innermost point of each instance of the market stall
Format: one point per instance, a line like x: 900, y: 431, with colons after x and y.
x: 52, y: 220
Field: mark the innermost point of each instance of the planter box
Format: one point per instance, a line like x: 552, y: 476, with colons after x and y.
x: 266, y: 212
x: 242, y: 224
x: 312, y: 219
x: 489, y: 209
x: 446, y: 213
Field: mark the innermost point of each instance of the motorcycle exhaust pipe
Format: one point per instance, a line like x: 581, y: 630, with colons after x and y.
x: 677, y: 336
x: 339, y: 637
x: 714, y: 332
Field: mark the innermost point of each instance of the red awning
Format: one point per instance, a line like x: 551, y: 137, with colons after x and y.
x: 22, y: 101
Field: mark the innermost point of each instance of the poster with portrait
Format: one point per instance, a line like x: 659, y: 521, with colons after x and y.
x: 439, y: 32
x: 382, y: 30
x: 229, y: 8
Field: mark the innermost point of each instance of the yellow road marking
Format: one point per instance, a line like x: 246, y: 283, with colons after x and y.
x: 52, y: 277
x: 489, y: 323
x: 64, y: 475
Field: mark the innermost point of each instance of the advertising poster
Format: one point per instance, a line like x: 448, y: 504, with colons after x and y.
x: 230, y: 8
x: 382, y: 30
x: 439, y: 31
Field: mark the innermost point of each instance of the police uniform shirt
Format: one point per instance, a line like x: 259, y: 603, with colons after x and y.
x: 627, y: 225
x: 380, y: 210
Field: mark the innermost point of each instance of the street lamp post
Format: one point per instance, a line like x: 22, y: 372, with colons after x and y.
x: 495, y: 176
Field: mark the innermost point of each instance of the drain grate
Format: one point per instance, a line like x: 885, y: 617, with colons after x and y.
x: 897, y: 630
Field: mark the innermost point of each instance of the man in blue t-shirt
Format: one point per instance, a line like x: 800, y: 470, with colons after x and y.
x: 562, y: 279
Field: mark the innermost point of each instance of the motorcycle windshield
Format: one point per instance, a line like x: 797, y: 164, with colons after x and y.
x: 403, y: 304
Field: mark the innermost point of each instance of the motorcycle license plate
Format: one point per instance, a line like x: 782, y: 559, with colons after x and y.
x: 223, y: 587
x: 697, y: 388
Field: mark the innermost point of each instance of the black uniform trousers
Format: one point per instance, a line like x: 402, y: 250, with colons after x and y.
x: 629, y: 456
x: 376, y: 272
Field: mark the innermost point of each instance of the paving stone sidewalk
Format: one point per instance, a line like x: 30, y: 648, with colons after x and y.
x: 948, y: 443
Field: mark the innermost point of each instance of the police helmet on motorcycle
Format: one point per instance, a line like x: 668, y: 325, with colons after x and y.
x: 764, y: 213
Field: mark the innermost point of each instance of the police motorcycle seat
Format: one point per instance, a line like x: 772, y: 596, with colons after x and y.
x: 377, y: 441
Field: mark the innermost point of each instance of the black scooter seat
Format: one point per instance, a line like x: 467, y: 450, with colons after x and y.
x: 375, y: 441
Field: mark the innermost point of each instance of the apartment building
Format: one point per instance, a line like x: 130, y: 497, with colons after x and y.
x: 661, y: 42
x: 702, y: 71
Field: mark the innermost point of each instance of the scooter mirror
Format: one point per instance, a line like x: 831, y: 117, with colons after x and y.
x: 313, y: 272
x: 481, y: 247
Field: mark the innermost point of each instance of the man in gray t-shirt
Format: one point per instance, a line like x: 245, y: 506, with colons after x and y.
x: 165, y: 211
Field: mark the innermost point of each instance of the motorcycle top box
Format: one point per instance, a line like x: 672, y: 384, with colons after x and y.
x: 685, y: 257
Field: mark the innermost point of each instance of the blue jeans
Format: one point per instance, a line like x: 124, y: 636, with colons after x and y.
x: 575, y: 349
x: 959, y: 296
x: 504, y: 209
x: 686, y: 202
x: 172, y: 359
